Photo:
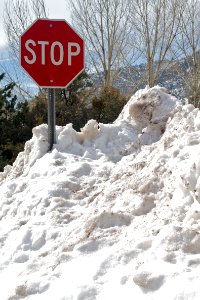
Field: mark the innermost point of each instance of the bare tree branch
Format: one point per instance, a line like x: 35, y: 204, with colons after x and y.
x: 157, y: 23
x: 18, y: 15
x: 104, y: 26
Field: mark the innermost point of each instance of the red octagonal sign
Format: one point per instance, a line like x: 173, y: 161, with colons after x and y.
x: 52, y: 53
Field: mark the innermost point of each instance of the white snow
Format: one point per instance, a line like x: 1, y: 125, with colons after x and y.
x: 111, y: 213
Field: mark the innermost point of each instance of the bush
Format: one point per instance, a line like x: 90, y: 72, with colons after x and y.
x: 8, y: 154
x: 108, y: 104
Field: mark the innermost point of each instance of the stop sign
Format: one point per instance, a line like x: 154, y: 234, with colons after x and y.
x: 52, y: 53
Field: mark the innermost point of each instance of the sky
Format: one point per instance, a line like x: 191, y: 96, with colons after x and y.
x: 112, y: 212
x: 57, y: 10
x: 2, y: 35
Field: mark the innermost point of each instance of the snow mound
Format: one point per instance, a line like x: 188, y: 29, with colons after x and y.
x: 144, y: 118
x: 149, y: 106
x: 112, y: 212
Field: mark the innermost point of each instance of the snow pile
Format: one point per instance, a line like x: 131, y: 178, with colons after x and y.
x: 112, y: 212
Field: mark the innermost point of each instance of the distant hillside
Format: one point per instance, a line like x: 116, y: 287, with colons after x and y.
x: 132, y: 79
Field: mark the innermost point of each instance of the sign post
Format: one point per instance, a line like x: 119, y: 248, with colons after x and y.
x: 52, y: 53
x: 51, y: 118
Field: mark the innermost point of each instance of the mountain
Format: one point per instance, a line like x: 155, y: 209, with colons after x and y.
x: 133, y: 78
x: 113, y: 212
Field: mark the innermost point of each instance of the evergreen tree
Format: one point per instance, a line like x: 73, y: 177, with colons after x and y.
x: 15, y: 124
x: 108, y: 104
x: 7, y: 111
x: 71, y: 103
x: 23, y: 122
x: 39, y: 109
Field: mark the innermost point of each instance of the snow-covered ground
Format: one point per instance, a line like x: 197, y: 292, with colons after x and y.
x: 111, y: 213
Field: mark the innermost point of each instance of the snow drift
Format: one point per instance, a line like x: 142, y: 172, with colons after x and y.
x: 112, y: 212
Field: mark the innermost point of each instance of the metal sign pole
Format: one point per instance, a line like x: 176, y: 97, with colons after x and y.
x: 51, y: 118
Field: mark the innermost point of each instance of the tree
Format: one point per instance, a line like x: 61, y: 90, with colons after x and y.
x: 7, y: 104
x: 13, y: 115
x: 107, y: 105
x: 18, y: 15
x: 7, y: 110
x: 72, y: 102
x: 23, y: 122
x: 39, y: 109
x: 155, y: 24
x: 104, y: 26
x: 188, y: 48
x: 16, y: 123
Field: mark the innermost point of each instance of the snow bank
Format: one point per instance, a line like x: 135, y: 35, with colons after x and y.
x: 112, y: 212
x: 141, y: 122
